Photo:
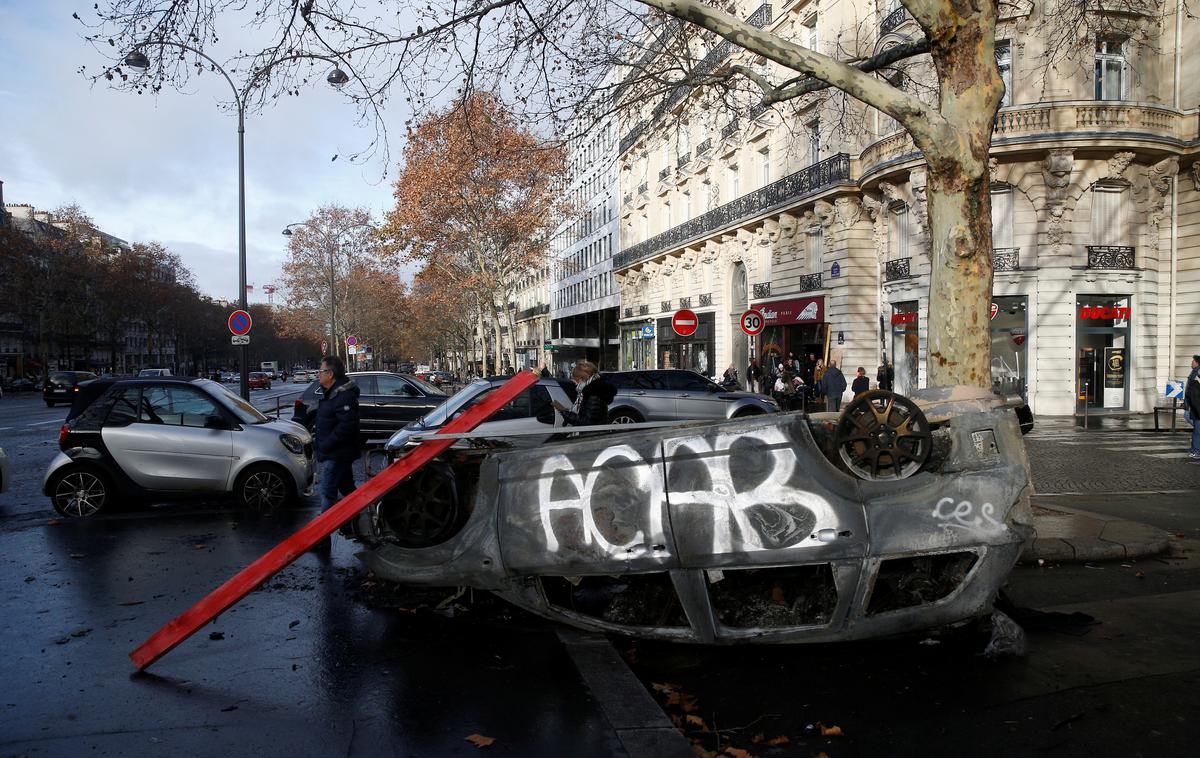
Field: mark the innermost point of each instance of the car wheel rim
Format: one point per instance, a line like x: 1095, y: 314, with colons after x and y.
x: 624, y: 419
x: 264, y: 491
x: 80, y: 494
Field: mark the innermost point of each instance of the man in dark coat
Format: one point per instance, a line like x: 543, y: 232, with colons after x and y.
x: 754, y: 375
x: 337, y: 432
x: 833, y: 384
x: 886, y: 376
x: 593, y: 395
x: 1191, y: 403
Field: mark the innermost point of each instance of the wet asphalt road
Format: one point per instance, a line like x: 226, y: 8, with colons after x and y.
x: 304, y: 667
x: 300, y: 667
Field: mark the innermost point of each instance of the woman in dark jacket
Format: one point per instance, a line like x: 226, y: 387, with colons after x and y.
x: 592, y: 398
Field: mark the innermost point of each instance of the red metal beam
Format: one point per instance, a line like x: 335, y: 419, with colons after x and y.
x: 249, y: 578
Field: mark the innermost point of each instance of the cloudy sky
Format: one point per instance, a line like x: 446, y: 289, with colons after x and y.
x: 165, y: 168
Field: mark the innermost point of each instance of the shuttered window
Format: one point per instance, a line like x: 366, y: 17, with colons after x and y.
x: 1002, y: 210
x: 1108, y: 207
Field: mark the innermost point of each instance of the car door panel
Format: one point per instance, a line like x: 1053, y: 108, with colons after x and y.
x: 166, y: 447
x: 397, y: 402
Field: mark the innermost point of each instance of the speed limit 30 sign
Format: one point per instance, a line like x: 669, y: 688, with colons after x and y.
x: 753, y: 322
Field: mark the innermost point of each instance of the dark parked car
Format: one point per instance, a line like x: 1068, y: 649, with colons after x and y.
x: 63, y: 385
x: 387, y: 401
x: 679, y: 395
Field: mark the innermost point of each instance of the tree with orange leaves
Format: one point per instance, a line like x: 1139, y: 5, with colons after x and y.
x: 476, y: 203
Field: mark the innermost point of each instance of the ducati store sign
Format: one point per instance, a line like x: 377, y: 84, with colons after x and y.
x: 1087, y: 313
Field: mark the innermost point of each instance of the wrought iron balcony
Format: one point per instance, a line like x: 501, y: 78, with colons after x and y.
x: 663, y: 173
x: 643, y: 188
x: 898, y: 269
x: 760, y: 17
x: 762, y: 289
x: 1110, y: 256
x: 628, y: 313
x: 758, y: 110
x: 665, y: 306
x: 730, y: 129
x: 537, y: 310
x: 704, y: 147
x: 628, y: 199
x: 1006, y: 258
x: 643, y: 310
x: 706, y: 299
x: 811, y: 282
x: 893, y: 20
x: 685, y: 302
x: 683, y: 160
x: 790, y: 189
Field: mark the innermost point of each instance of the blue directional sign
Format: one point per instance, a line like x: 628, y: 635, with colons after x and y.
x: 1174, y: 388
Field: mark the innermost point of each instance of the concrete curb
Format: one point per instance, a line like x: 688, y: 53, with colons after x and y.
x: 1069, y: 535
x: 641, y: 726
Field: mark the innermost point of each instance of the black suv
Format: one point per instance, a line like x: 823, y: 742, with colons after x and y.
x: 63, y: 386
x: 386, y: 403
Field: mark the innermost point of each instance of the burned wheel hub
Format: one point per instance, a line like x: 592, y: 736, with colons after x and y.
x: 881, y: 435
x: 423, y: 510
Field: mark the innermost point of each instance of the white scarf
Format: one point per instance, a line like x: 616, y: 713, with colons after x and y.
x: 579, y: 393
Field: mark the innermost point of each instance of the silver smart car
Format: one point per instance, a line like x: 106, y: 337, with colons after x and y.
x: 174, y: 436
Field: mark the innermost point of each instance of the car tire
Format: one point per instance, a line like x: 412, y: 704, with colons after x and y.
x: 80, y: 491
x: 264, y: 488
x: 749, y: 411
x: 625, y: 416
x: 49, y: 403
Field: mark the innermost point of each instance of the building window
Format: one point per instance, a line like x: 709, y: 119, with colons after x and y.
x: 1111, y: 69
x: 811, y: 40
x: 1004, y: 62
x: 1002, y: 222
x: 764, y: 156
x: 814, y: 142
x: 898, y: 231
x: 669, y: 216
x: 687, y: 206
x: 735, y: 184
x: 1108, y: 219
x: 816, y: 249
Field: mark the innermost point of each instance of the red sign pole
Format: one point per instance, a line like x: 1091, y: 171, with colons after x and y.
x: 283, y: 554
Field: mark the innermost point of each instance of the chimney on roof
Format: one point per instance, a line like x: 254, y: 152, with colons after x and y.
x: 43, y: 216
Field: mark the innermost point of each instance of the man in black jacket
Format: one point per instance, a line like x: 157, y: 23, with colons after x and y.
x: 337, y: 432
x: 1191, y: 403
x: 594, y: 393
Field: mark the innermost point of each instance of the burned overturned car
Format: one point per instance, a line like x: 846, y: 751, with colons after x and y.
x: 896, y: 516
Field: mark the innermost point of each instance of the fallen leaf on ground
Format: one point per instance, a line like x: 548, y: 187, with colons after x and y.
x: 78, y: 555
x: 1140, y: 575
x: 478, y: 740
x: 53, y: 522
x: 30, y: 579
x: 702, y: 752
x: 665, y: 687
x: 132, y: 602
x: 293, y: 625
x: 830, y: 731
x: 777, y: 595
x: 200, y: 547
x: 780, y: 740
x: 217, y: 636
x: 229, y: 708
x: 734, y: 752
x: 697, y: 721
x: 80, y: 632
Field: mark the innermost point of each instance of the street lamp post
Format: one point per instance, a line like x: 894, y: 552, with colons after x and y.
x: 332, y: 244
x: 138, y: 60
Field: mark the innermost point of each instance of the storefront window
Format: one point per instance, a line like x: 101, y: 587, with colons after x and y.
x: 906, y: 346
x: 1102, y: 350
x: 1010, y: 329
x: 637, y: 347
x: 694, y: 352
x: 795, y: 328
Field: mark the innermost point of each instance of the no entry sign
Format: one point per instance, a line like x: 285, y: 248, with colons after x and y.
x: 240, y: 323
x: 685, y: 322
x: 753, y: 322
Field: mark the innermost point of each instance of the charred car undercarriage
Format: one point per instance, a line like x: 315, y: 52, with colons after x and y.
x: 898, y: 515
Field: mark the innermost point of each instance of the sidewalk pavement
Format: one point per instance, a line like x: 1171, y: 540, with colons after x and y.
x: 1072, y: 535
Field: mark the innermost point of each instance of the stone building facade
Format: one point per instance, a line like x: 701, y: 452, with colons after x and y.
x: 824, y: 228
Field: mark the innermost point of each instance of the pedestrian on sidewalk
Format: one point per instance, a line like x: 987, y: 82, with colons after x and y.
x: 861, y: 384
x: 592, y: 398
x: 754, y: 375
x: 1191, y: 407
x: 833, y: 386
x: 337, y: 443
